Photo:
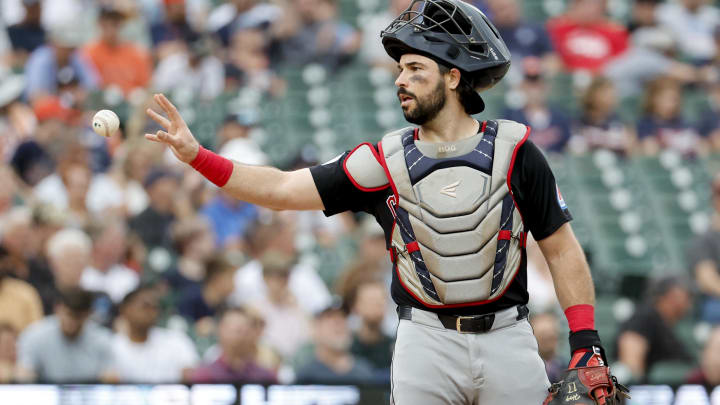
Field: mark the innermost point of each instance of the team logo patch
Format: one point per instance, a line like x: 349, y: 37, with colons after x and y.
x: 560, y: 198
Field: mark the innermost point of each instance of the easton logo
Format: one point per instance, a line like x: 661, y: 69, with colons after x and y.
x: 450, y: 189
x: 446, y: 148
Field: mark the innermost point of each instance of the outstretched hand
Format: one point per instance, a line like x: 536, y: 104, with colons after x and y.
x: 176, y: 135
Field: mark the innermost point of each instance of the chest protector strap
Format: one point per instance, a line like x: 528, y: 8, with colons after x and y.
x: 458, y: 238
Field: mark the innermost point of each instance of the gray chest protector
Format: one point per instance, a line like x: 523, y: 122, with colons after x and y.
x: 458, y: 237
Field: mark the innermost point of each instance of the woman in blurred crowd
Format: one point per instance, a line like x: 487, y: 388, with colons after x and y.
x: 663, y: 125
x: 599, y: 126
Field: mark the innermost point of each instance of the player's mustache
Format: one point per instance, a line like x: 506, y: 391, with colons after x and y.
x: 402, y: 91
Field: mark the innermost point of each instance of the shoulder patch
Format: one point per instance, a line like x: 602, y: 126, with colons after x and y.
x: 363, y: 168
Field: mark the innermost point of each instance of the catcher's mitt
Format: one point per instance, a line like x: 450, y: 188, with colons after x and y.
x: 587, y: 386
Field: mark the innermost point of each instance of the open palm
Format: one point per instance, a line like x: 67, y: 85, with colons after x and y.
x: 176, y: 135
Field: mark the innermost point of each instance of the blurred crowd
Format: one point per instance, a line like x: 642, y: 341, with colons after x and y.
x: 119, y: 264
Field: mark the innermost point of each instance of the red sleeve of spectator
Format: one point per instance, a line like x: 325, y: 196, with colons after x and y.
x: 580, y: 317
x: 214, y: 167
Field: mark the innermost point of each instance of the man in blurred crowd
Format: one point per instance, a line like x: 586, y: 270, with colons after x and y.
x: 333, y: 363
x: 709, y: 372
x: 704, y: 258
x: 107, y: 273
x: 20, y: 303
x: 368, y: 341
x: 48, y: 63
x: 238, y: 335
x: 66, y: 347
x: 175, y: 28
x: 550, y: 126
x: 585, y: 38
x: 29, y: 34
x: 648, y: 336
x: 8, y: 353
x: 153, y: 224
x: 692, y: 22
x: 372, y: 50
x: 117, y: 62
x: 236, y: 15
x: 198, y: 304
x: 545, y: 328
x: 144, y: 352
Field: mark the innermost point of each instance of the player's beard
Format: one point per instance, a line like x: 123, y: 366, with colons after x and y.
x: 427, y: 108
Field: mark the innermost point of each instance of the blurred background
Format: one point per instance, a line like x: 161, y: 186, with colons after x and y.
x: 120, y: 266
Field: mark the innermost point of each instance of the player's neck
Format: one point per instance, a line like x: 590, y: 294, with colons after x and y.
x: 451, y: 124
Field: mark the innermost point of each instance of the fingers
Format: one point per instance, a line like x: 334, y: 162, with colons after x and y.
x: 169, y: 108
x: 162, y: 137
x: 162, y: 121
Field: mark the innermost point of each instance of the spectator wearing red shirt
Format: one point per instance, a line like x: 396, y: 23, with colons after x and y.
x: 118, y: 63
x: 584, y: 38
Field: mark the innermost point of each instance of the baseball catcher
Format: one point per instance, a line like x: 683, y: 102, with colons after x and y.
x: 456, y: 198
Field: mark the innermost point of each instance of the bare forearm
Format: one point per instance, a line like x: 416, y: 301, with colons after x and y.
x: 569, y: 268
x: 274, y: 188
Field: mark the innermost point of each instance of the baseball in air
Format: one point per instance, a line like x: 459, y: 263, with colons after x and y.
x: 105, y: 123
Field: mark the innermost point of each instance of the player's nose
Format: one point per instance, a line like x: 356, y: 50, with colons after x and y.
x: 401, y: 81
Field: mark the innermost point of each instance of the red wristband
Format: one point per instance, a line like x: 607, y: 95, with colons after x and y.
x: 580, y: 317
x: 214, y: 167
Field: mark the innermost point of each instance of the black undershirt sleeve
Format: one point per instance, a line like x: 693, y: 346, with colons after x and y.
x: 536, y: 194
x: 337, y: 192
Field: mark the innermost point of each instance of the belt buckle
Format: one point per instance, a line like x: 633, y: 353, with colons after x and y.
x: 457, y: 323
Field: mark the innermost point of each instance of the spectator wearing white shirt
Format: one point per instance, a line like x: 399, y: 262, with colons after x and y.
x: 144, y: 352
x: 106, y: 272
x: 304, y: 283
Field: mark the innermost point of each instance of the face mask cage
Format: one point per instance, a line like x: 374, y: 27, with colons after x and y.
x: 431, y: 16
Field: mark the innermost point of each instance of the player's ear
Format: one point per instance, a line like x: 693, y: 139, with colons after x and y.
x: 452, y: 78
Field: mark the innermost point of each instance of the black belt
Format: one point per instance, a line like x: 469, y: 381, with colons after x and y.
x: 464, y: 324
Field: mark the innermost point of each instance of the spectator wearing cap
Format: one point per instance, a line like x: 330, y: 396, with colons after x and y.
x: 599, y: 126
x: 192, y: 68
x: 332, y: 362
x: 368, y: 340
x: 692, y: 23
x: 648, y: 338
x: 708, y: 374
x: 197, y: 305
x: 551, y: 128
x: 8, y: 353
x: 704, y: 261
x: 585, y: 38
x: 522, y: 38
x: 278, y: 233
x: 29, y: 34
x: 239, y: 332
x: 50, y: 64
x: 663, y: 125
x: 118, y: 63
x: 107, y: 273
x: 287, y: 324
x: 152, y: 225
x: 144, y: 352
x: 66, y: 347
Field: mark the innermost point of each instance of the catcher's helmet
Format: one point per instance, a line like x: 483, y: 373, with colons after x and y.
x: 455, y: 34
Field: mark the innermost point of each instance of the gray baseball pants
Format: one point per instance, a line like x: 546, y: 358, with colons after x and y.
x: 433, y: 365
